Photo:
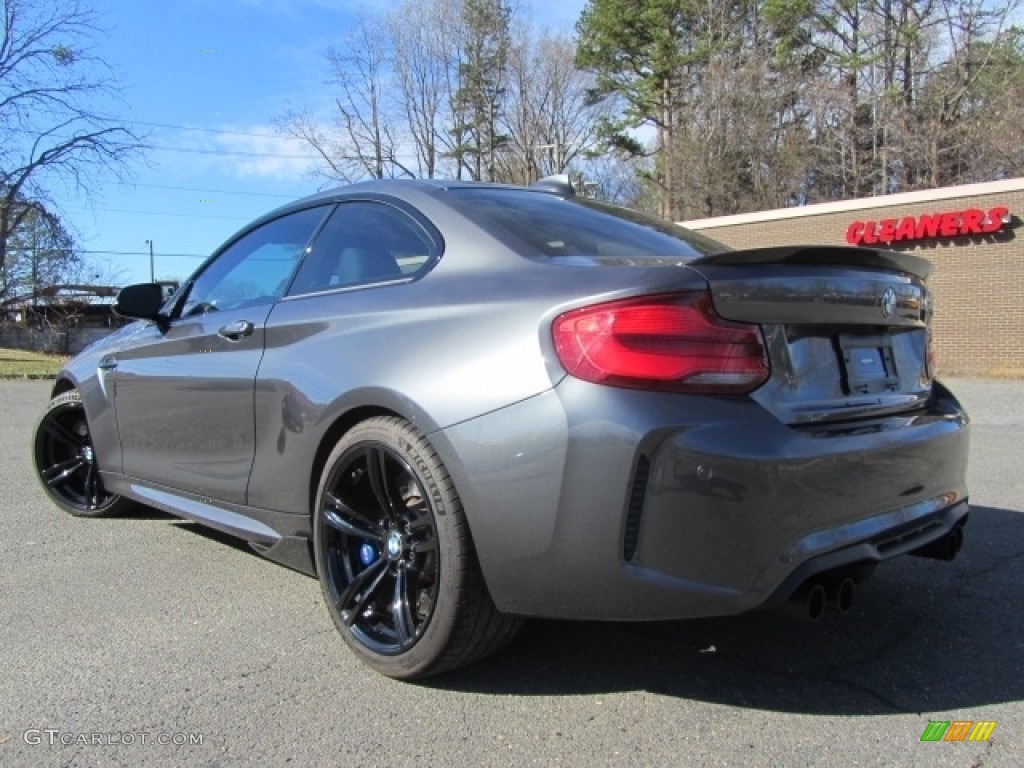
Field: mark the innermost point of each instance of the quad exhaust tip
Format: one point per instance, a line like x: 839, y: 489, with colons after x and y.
x: 836, y: 591
x: 840, y: 594
x: 808, y: 602
x: 817, y: 600
x: 813, y: 598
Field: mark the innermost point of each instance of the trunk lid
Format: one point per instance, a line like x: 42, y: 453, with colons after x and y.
x: 846, y: 329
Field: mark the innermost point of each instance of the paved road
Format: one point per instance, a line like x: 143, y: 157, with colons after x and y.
x: 147, y: 629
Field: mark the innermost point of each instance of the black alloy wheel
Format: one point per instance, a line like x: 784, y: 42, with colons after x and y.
x: 395, y: 559
x: 66, y: 460
x: 382, y: 546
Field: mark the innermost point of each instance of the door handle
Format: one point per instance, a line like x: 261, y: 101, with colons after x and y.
x: 107, y: 363
x: 236, y: 330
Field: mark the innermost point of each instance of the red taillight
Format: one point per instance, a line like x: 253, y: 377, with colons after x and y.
x: 669, y: 342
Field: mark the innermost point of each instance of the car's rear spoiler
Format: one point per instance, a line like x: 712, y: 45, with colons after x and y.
x: 846, y: 256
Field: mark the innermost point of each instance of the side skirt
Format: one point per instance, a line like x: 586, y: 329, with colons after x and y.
x: 282, y: 537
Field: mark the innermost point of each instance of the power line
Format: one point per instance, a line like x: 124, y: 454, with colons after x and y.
x: 222, y: 131
x: 163, y: 213
x: 216, y: 152
x: 144, y: 253
x: 230, y: 153
x: 208, y: 130
x: 216, y: 191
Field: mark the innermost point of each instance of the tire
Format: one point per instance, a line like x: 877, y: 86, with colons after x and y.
x: 65, y: 461
x: 395, y: 558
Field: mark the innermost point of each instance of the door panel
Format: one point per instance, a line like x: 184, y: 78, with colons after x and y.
x: 185, y: 404
x: 184, y: 389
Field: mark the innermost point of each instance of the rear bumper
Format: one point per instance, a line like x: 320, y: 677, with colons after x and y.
x: 592, y: 502
x: 898, y: 534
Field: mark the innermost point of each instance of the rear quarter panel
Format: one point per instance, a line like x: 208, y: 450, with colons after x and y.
x: 460, y: 342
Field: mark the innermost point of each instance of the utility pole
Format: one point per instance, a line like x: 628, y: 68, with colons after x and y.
x: 555, y: 154
x: 152, y: 272
x: 35, y: 267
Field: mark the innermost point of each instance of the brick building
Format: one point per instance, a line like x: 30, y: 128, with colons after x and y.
x: 968, y: 233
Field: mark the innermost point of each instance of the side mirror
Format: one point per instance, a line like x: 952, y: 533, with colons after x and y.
x: 143, y: 300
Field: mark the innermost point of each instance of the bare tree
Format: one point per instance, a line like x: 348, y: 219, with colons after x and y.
x: 752, y: 104
x: 444, y: 88
x: 52, y: 134
x: 40, y: 254
x: 618, y: 179
x: 424, y: 62
x: 363, y: 141
x: 549, y: 120
x: 895, y: 87
x: 397, y: 75
x: 968, y: 118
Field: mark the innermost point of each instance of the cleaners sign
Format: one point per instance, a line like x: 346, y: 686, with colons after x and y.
x: 945, y: 224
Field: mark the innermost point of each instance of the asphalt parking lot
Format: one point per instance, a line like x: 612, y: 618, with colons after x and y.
x: 147, y: 641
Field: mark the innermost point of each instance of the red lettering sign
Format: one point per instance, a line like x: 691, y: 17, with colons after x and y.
x: 944, y: 224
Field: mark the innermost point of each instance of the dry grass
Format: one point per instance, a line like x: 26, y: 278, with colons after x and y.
x: 18, y: 363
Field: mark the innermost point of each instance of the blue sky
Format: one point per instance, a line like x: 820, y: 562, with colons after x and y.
x: 204, y: 81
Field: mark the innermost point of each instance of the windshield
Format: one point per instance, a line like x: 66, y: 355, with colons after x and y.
x: 581, y: 231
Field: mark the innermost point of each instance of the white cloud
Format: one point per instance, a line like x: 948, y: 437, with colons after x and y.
x: 235, y: 151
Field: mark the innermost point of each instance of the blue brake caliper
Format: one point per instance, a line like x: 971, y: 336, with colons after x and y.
x: 367, y: 554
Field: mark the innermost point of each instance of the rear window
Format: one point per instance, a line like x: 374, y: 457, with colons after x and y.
x: 577, y: 230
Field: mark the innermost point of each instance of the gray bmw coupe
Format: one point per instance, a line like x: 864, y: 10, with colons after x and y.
x: 461, y: 404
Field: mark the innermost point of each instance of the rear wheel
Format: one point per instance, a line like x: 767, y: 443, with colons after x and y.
x: 66, y: 462
x: 395, y: 557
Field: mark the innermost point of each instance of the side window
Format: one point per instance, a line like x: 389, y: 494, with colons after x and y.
x: 254, y: 269
x: 363, y: 243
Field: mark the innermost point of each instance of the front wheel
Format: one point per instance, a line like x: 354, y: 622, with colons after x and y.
x: 395, y: 557
x: 66, y: 462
